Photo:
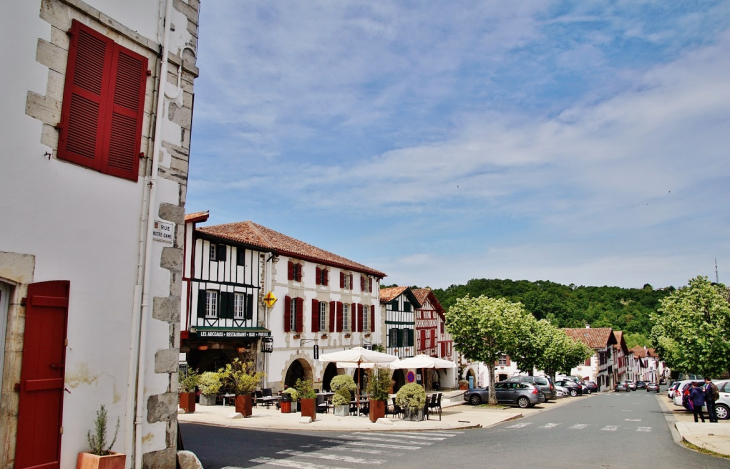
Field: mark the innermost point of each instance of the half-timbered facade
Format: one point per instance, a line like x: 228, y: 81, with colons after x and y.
x: 599, y: 367
x: 398, y: 307
x: 621, y: 355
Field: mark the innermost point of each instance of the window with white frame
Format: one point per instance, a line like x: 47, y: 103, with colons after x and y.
x: 213, y: 252
x: 346, y: 317
x: 293, y: 315
x: 366, y: 318
x: 211, y: 303
x: 322, y: 316
x: 238, y: 309
x: 348, y: 286
x: 503, y: 360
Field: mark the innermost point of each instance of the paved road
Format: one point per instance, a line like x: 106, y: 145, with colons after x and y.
x: 608, y: 430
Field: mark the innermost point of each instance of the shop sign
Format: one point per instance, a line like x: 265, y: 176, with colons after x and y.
x: 230, y: 334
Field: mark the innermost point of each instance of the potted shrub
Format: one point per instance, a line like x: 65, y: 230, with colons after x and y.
x: 379, y: 385
x: 412, y: 399
x: 343, y: 387
x: 463, y: 385
x: 101, y: 455
x: 209, y: 385
x: 290, y: 395
x: 307, y: 398
x: 186, y: 389
x: 241, y: 378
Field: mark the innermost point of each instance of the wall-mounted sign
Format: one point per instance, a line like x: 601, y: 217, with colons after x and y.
x: 270, y: 299
x: 267, y: 344
x: 231, y: 334
x: 163, y: 231
x: 411, y: 377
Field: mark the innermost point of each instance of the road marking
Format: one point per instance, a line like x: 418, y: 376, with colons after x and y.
x: 550, y: 425
x: 578, y: 426
x: 371, y: 445
x: 520, y: 425
x: 610, y: 428
x: 643, y: 429
x: 633, y: 420
x: 443, y: 433
x: 290, y: 463
x: 624, y: 410
x: 402, y: 435
x: 354, y: 450
x: 363, y: 437
x: 331, y: 457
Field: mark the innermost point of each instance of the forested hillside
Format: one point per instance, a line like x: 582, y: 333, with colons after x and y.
x: 624, y: 309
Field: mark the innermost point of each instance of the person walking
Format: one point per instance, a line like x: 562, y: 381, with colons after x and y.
x: 697, y: 399
x: 709, y: 392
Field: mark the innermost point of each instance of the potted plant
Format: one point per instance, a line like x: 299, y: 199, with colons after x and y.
x: 241, y: 378
x: 463, y: 385
x: 343, y: 386
x: 379, y: 385
x: 307, y: 398
x: 101, y: 456
x: 412, y: 399
x: 209, y: 384
x: 187, y: 382
x: 289, y: 395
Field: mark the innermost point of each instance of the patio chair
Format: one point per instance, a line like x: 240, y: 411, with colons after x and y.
x: 435, y: 404
x: 266, y: 392
x: 426, y: 407
x: 254, y: 398
x: 322, y: 405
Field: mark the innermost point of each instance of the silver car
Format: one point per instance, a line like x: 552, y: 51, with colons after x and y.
x: 508, y: 392
x: 722, y: 405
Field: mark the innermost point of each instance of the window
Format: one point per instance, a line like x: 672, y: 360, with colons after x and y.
x: 322, y: 316
x: 294, y: 271
x: 365, y: 318
x: 239, y: 301
x: 345, y: 317
x: 292, y: 315
x: 502, y: 360
x: 103, y: 104
x: 404, y: 338
x: 393, y: 338
x: 322, y: 276
x: 213, y: 252
x: 211, y: 304
x: 347, y: 285
x: 406, y: 306
x: 240, y: 256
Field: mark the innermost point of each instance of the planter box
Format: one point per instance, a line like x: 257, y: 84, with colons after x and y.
x: 413, y: 415
x: 309, y: 408
x: 92, y: 461
x: 187, y: 402
x: 377, y: 410
x: 342, y: 410
x: 244, y: 405
x: 207, y: 399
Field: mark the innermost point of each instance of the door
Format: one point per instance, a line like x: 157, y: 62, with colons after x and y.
x: 40, y: 403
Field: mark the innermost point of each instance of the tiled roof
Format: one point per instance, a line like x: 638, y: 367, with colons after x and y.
x: 253, y: 234
x: 423, y: 294
x: 594, y: 337
x: 197, y: 216
x: 620, y: 342
x: 641, y: 352
x: 387, y: 294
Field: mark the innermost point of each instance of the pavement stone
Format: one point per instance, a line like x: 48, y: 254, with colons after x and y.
x: 713, y: 437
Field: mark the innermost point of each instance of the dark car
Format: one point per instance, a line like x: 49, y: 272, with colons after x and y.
x: 508, y: 392
x: 652, y: 387
x: 574, y: 389
x: 640, y: 385
x: 543, y: 382
x: 592, y: 387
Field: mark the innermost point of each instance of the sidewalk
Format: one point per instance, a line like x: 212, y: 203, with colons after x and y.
x: 713, y: 437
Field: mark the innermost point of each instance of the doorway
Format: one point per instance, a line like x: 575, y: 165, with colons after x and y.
x: 299, y: 369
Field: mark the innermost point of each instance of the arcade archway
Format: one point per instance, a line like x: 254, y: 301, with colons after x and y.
x: 299, y: 369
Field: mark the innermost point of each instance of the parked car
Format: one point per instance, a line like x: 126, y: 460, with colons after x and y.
x: 670, y: 390
x: 561, y: 391
x: 640, y: 385
x: 622, y: 386
x: 651, y: 387
x: 682, y: 388
x: 543, y: 382
x: 574, y: 389
x: 508, y: 392
x: 592, y: 387
x: 662, y: 381
x: 631, y: 385
x: 722, y: 405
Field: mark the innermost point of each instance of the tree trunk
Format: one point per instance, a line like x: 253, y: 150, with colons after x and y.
x: 492, y: 391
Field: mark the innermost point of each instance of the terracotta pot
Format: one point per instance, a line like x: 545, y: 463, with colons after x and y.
x: 463, y: 387
x: 377, y: 410
x: 285, y: 407
x: 92, y: 461
x: 187, y: 402
x: 309, y: 408
x: 244, y: 405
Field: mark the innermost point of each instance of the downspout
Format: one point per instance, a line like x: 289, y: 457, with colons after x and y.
x: 143, y: 297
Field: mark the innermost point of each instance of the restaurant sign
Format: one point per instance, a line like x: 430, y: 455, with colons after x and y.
x: 232, y: 334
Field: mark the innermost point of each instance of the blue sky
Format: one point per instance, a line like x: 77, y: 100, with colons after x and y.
x: 579, y: 142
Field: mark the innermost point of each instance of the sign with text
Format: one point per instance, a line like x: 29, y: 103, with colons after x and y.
x: 231, y: 334
x: 163, y: 231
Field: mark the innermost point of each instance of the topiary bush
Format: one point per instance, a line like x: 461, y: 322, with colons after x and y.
x: 411, y: 396
x: 343, y: 381
x: 209, y: 383
x: 293, y: 393
x: 342, y: 397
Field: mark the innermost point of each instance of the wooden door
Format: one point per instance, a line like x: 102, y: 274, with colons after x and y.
x: 40, y: 406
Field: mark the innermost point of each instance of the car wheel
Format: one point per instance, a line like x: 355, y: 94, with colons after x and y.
x: 573, y: 393
x: 475, y: 400
x: 588, y: 391
x: 722, y: 412
x: 523, y: 402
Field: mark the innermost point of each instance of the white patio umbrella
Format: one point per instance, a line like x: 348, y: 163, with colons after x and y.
x: 422, y: 361
x: 357, y: 356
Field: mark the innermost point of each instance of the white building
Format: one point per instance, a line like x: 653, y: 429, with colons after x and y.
x: 93, y: 182
x: 599, y: 367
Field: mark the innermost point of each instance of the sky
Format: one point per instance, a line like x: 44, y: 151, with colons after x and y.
x: 580, y: 142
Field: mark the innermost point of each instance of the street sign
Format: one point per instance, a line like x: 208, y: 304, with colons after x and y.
x: 315, y: 352
x: 267, y: 344
x: 270, y: 299
x: 410, y: 377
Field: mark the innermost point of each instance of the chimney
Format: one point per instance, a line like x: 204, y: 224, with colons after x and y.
x: 588, y: 326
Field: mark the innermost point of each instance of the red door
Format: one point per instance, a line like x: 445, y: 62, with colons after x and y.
x: 41, y: 377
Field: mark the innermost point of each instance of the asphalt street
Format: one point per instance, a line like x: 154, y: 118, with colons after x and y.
x: 607, y: 430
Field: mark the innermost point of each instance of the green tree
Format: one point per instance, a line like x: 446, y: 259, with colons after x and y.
x: 692, y: 328
x: 483, y: 328
x: 548, y: 348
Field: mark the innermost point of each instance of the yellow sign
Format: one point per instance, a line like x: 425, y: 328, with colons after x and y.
x: 270, y: 299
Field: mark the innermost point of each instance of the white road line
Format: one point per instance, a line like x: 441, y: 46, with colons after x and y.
x: 436, y: 433
x: 578, y: 426
x: 354, y: 450
x: 331, y: 457
x: 402, y: 435
x: 610, y: 428
x: 550, y: 425
x: 633, y: 420
x: 643, y: 429
x: 290, y: 463
x: 371, y: 445
x: 520, y: 425
x: 368, y: 438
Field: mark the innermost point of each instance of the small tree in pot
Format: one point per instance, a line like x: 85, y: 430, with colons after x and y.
x: 187, y: 382
x: 379, y: 384
x: 343, y: 386
x: 241, y: 379
x: 209, y: 385
x: 101, y: 455
x: 307, y: 398
x: 412, y: 399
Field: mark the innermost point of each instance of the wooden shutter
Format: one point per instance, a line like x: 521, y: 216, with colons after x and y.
x: 370, y: 283
x: 508, y: 360
x: 290, y: 270
x: 315, y: 315
x: 287, y: 314
x: 362, y: 283
x: 339, y: 316
x: 201, y: 303
x: 588, y: 362
x: 342, y: 280
x: 399, y: 338
x: 318, y: 273
x: 326, y: 277
x: 351, y: 286
x: 333, y: 310
x: 240, y: 256
x: 249, y: 307
x: 372, y: 318
x: 221, y: 254
x: 299, y: 320
x: 410, y: 337
x: 225, y: 305
x: 422, y: 345
x: 359, y: 318
x: 353, y: 317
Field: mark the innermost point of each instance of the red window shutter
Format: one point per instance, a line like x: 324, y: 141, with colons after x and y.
x: 290, y: 271
x: 299, y: 322
x: 359, y: 318
x: 332, y: 316
x: 370, y: 283
x: 339, y: 317
x: 362, y: 282
x: 353, y: 317
x: 300, y: 267
x: 351, y: 287
x: 315, y: 315
x: 342, y: 280
x: 372, y: 318
x: 317, y: 274
x: 443, y: 349
x: 422, y: 345
x: 508, y: 361
x: 588, y: 362
x: 326, y: 277
x: 287, y: 314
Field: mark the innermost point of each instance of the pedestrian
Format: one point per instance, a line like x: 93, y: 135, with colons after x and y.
x: 710, y: 394
x: 697, y: 400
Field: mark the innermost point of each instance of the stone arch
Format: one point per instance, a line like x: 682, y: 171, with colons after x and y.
x: 303, y: 363
x: 330, y: 371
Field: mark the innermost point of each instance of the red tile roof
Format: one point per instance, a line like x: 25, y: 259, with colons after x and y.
x: 197, y: 216
x: 388, y: 294
x: 620, y: 342
x: 641, y: 352
x: 423, y: 294
x: 253, y: 234
x: 594, y: 337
